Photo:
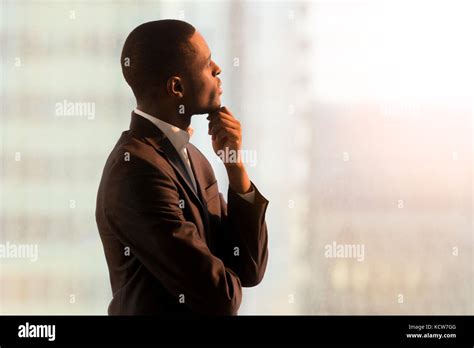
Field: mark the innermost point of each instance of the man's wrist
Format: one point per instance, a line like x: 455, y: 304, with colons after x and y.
x: 238, y: 178
x: 234, y: 166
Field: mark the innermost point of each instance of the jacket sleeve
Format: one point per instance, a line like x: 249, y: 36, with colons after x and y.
x: 242, y: 241
x: 145, y: 208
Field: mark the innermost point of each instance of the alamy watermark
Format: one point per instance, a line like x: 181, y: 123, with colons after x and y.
x: 28, y: 330
x: 345, y: 251
x: 19, y: 251
x: 238, y: 156
x: 75, y: 109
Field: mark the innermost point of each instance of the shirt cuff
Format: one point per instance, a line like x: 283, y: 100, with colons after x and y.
x: 249, y: 196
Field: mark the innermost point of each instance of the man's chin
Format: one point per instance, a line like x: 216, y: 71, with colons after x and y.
x: 214, y: 108
x: 210, y: 108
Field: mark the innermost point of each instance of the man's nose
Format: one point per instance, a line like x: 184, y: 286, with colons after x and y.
x: 217, y: 71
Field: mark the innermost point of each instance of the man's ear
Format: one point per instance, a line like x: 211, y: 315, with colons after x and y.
x: 174, y: 87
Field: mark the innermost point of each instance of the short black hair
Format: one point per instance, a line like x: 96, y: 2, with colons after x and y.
x: 153, y: 52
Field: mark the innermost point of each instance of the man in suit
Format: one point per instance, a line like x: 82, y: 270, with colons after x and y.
x: 172, y: 244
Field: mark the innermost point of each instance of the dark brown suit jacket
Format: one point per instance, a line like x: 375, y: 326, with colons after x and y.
x: 169, y: 249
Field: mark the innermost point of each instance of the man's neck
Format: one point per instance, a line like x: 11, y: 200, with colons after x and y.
x: 172, y: 117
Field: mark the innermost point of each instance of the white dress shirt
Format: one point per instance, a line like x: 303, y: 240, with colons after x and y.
x: 179, y: 139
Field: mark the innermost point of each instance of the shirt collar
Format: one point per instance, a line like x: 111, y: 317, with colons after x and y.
x: 178, y: 137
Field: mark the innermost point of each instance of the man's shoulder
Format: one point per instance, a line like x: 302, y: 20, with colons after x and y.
x: 133, y: 153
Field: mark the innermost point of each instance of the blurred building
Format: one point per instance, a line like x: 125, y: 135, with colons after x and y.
x: 360, y: 114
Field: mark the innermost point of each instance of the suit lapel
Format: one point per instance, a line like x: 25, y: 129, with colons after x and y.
x: 143, y: 128
x: 200, y: 177
x: 167, y: 149
x: 176, y: 161
x: 197, y: 170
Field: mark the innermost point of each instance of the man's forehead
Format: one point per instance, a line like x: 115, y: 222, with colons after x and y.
x: 200, y: 43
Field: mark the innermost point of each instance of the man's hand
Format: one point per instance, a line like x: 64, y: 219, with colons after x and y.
x: 225, y: 130
x: 227, y: 142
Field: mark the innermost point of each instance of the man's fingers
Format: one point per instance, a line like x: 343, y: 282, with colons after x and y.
x: 217, y: 126
x: 232, y: 123
x: 222, y: 133
x: 215, y: 113
x: 222, y: 117
x: 225, y: 131
x: 224, y: 122
x: 227, y: 111
x: 223, y: 110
